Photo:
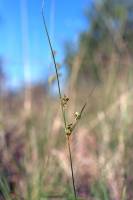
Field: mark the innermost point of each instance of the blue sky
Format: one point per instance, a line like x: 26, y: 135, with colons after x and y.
x: 19, y: 45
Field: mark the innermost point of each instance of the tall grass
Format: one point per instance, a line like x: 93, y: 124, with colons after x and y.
x: 68, y: 128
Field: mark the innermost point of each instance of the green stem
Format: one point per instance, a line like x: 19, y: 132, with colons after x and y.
x: 71, y: 164
x: 60, y: 96
x: 55, y: 65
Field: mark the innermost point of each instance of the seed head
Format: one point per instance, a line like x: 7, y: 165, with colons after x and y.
x: 65, y: 100
x: 77, y: 115
x: 69, y: 129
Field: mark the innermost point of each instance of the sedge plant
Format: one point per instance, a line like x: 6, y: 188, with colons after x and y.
x: 68, y: 127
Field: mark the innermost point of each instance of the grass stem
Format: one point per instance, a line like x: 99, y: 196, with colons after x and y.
x: 55, y: 65
x: 71, y: 164
x: 60, y: 96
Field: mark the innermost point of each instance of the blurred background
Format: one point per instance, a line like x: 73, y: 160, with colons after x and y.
x: 93, y: 47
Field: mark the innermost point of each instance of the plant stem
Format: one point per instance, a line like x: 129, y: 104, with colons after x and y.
x: 60, y: 96
x: 71, y: 164
x: 55, y: 65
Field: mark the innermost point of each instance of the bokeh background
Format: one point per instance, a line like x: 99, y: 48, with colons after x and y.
x: 93, y: 47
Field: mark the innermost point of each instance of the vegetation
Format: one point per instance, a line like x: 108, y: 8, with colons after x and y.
x: 34, y: 160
